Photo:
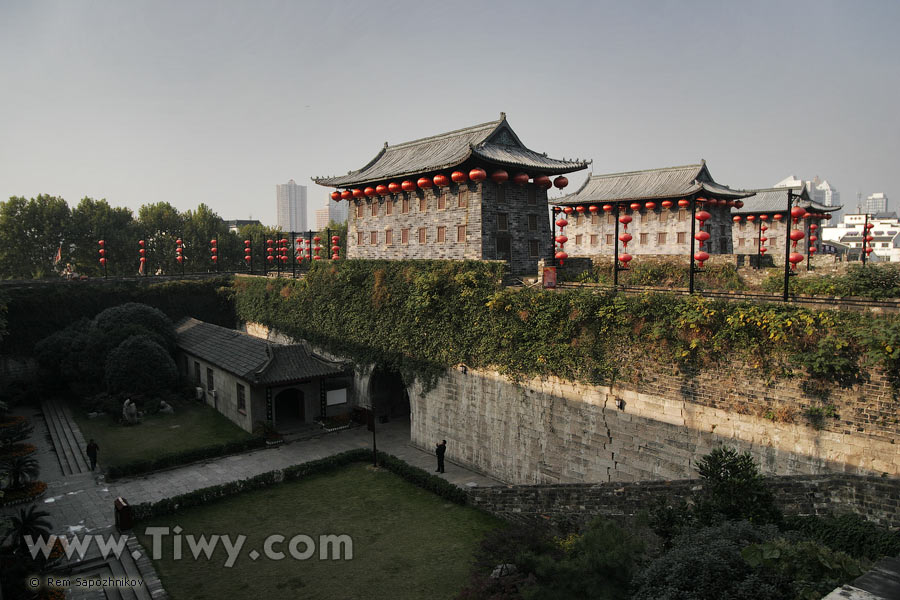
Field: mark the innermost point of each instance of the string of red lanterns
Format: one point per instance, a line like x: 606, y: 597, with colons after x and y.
x: 797, y: 213
x: 143, y: 258
x: 702, y: 216
x: 179, y: 251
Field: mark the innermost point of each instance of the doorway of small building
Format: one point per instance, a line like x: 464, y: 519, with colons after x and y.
x: 290, y: 410
x: 388, y: 393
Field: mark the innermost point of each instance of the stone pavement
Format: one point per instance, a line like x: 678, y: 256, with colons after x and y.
x: 81, y: 502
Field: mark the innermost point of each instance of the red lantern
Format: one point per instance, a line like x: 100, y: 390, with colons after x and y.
x: 869, y: 238
x: 702, y: 216
x: 667, y: 204
x: 798, y: 212
x: 684, y: 203
x: 381, y: 189
x: 751, y: 218
x: 650, y: 205
x: 797, y: 235
x: 739, y: 204
x: 408, y: 186
x: 441, y: 181
x: 625, y: 258
x: 357, y: 193
x: 763, y: 249
x: 561, y: 239
x: 561, y: 222
x: 868, y: 251
x: 369, y: 191
x: 141, y: 243
x: 593, y: 209
x: 869, y: 225
x: 270, y: 258
x: 736, y: 218
x: 635, y: 206
x: 794, y: 258
x: 335, y: 238
x: 458, y: 177
x: 813, y: 227
x: 394, y: 187
x: 102, y: 252
x: 425, y: 183
x: 729, y: 203
x: 778, y: 216
x: 143, y: 260
x: 701, y: 257
x: 317, y: 239
x: 608, y: 207
x: 703, y: 200
x: 179, y: 258
x: 346, y: 195
x: 763, y: 239
x: 812, y: 249
x: 212, y: 242
x: 579, y: 209
x: 763, y: 217
x: 179, y: 250
x: 477, y: 174
x: 520, y: 178
x: 246, y: 242
x: 247, y: 257
x: 813, y: 239
x: 543, y: 182
x: 625, y: 238
x: 561, y: 255
x: 335, y: 249
x: 701, y: 236
x: 336, y: 196
x: 560, y: 182
x: 142, y: 252
x: 568, y: 210
x: 101, y: 242
x: 103, y: 261
x: 625, y: 220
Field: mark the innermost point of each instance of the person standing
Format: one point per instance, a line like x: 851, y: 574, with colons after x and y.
x: 92, y: 449
x: 440, y: 450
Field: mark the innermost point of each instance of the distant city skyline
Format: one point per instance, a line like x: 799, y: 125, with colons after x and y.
x: 290, y: 204
x: 215, y: 102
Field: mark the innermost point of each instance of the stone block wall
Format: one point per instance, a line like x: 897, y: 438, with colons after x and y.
x: 511, y: 225
x: 875, y: 498
x: 652, y: 428
x: 594, y: 235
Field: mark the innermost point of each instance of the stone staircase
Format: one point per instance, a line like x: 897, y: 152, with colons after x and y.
x: 67, y: 438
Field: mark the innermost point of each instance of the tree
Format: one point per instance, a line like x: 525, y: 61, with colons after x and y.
x: 19, y: 470
x: 28, y: 522
x: 733, y: 489
x: 151, y: 321
x: 31, y: 233
x: 140, y: 365
x: 159, y: 225
x: 94, y: 220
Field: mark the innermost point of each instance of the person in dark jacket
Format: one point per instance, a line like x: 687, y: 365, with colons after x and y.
x: 92, y: 449
x: 440, y: 450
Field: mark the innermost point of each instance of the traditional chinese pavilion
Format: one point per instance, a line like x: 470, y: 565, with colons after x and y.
x: 474, y: 193
x: 669, y: 211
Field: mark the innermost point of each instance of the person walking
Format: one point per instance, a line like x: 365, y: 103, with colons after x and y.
x: 92, y: 449
x: 440, y: 450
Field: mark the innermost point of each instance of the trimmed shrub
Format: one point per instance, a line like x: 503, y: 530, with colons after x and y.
x: 166, y: 461
x: 848, y: 533
x: 139, y: 318
x: 140, y: 365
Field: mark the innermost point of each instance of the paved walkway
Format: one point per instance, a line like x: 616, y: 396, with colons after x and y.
x: 80, y: 502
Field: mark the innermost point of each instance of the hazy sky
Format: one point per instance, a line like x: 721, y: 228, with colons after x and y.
x: 217, y: 102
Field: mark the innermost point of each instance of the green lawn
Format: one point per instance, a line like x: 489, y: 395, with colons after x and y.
x: 193, y: 425
x: 407, y: 543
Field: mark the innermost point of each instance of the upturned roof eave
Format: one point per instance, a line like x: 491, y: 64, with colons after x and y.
x: 572, y: 199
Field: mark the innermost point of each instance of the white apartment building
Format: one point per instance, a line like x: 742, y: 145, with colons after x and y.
x: 290, y: 200
x: 885, y: 233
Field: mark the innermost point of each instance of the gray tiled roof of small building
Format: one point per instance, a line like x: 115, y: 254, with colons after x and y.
x: 449, y: 150
x: 245, y: 356
x: 669, y: 182
x: 770, y: 200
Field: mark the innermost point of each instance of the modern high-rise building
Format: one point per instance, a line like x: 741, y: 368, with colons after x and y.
x: 291, y: 206
x: 876, y: 203
x: 337, y: 211
x: 321, y: 218
x: 819, y: 190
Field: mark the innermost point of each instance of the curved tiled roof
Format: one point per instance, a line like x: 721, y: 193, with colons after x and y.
x: 250, y: 358
x: 775, y: 200
x: 670, y: 182
x: 494, y: 141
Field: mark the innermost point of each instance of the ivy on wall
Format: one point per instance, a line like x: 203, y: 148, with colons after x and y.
x: 421, y: 317
x: 36, y: 311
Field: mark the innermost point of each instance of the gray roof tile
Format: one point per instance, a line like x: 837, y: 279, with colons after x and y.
x: 670, y: 182
x: 771, y: 200
x: 494, y: 141
x: 248, y: 357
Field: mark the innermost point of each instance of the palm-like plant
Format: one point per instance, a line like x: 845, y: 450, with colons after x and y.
x: 19, y: 470
x: 27, y: 522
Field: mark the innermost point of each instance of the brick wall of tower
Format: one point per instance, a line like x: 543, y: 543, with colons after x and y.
x: 431, y: 218
x: 593, y: 236
x: 515, y: 217
x: 527, y: 224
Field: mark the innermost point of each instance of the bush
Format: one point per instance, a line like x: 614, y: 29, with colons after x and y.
x: 140, y: 365
x: 707, y: 565
x: 733, y: 489
x: 166, y: 461
x: 848, y: 533
x: 599, y: 564
x: 137, y: 318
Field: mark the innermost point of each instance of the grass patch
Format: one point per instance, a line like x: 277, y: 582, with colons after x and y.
x: 193, y: 426
x: 407, y: 542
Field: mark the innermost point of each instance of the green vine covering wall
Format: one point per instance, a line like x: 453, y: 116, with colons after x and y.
x: 36, y: 311
x: 424, y: 316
